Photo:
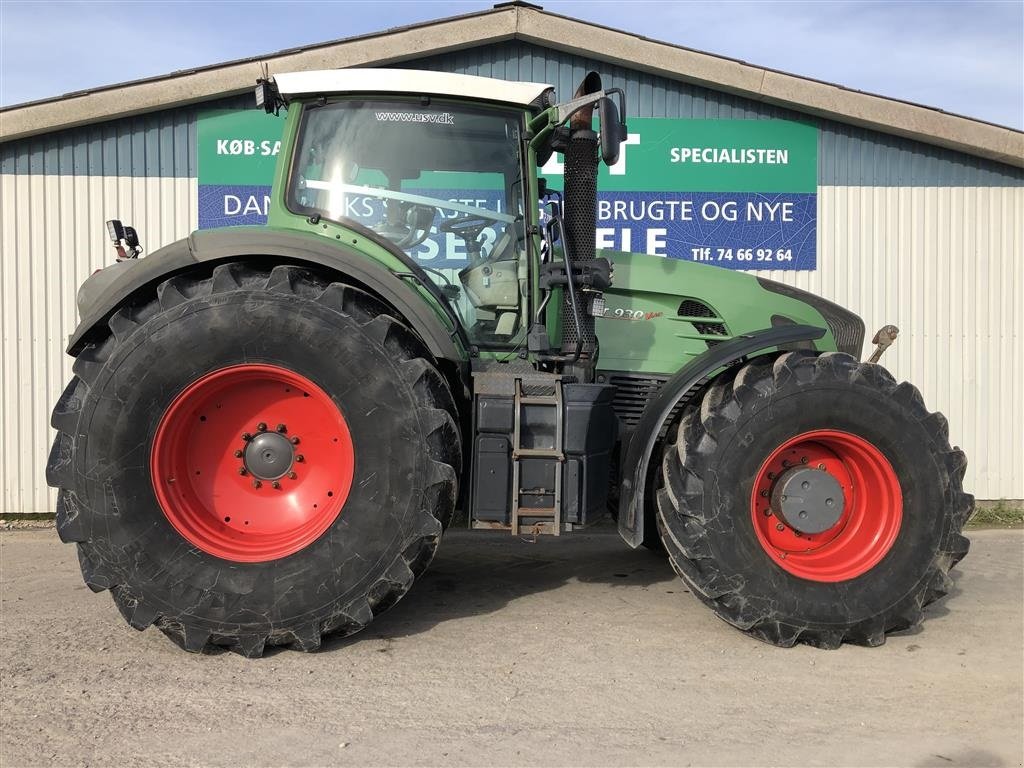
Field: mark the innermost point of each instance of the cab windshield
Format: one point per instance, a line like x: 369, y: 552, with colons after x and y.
x: 443, y: 182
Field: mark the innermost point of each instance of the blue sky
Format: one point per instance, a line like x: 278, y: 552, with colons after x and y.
x: 965, y: 57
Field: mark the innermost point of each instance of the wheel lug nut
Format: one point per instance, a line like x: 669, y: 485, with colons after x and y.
x: 783, y: 497
x: 292, y: 475
x: 261, y: 427
x: 275, y: 485
x: 239, y: 454
x: 803, y: 459
x: 295, y: 441
x: 299, y: 458
x: 780, y: 527
x: 246, y: 436
x: 821, y: 466
x: 282, y: 428
x: 771, y: 475
x: 256, y: 484
x: 764, y: 494
x: 242, y: 471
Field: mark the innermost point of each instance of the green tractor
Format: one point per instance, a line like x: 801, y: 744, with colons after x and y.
x: 269, y: 428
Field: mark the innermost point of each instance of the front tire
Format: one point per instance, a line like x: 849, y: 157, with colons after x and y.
x: 897, y: 520
x: 254, y: 457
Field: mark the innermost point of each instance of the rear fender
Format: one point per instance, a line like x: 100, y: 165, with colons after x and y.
x: 284, y: 247
x: 636, y: 465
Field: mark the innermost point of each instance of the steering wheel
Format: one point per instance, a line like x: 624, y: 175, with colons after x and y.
x: 467, y: 227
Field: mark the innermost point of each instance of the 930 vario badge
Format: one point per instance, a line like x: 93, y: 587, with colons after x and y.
x: 620, y: 313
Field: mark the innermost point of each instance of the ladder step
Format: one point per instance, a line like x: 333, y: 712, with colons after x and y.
x: 537, y: 512
x: 551, y: 516
x: 535, y: 400
x: 548, y: 528
x: 535, y: 452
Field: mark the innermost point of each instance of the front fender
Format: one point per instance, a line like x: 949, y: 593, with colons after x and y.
x: 636, y: 467
x: 102, y: 294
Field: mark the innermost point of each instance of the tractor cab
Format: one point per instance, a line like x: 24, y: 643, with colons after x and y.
x: 408, y: 159
x: 442, y: 182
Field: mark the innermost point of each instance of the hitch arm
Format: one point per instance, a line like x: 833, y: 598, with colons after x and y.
x: 882, y: 340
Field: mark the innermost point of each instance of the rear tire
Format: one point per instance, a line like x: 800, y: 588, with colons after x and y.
x: 175, y: 565
x: 715, y: 521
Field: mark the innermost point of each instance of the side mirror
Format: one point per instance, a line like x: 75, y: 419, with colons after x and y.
x: 613, y: 132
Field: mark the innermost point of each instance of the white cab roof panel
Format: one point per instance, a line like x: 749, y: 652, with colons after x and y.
x: 414, y: 81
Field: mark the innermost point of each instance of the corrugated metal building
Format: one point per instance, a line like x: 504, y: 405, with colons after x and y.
x: 920, y: 213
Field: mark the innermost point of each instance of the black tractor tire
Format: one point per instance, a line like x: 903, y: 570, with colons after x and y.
x: 705, y: 504
x: 400, y: 414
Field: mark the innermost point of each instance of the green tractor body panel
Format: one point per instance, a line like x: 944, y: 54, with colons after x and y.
x: 642, y: 330
x: 126, y: 281
x: 661, y: 313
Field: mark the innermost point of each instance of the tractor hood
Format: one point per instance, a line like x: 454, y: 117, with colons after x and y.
x: 660, y: 312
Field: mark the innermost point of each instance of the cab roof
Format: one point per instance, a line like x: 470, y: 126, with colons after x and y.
x: 407, y: 81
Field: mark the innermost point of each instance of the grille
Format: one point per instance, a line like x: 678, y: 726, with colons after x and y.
x: 632, y: 391
x: 542, y: 389
x: 695, y: 308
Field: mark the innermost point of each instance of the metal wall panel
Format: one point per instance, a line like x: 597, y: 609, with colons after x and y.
x: 53, y: 238
x: 156, y: 144
x: 159, y: 144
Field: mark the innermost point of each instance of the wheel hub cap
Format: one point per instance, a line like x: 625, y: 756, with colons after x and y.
x: 808, y: 500
x: 806, y: 535
x: 252, y: 462
x: 269, y: 456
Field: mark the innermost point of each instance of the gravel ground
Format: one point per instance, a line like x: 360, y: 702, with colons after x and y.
x: 571, y: 652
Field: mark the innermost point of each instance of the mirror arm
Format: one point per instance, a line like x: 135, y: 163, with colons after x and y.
x: 569, y: 108
x: 545, y: 125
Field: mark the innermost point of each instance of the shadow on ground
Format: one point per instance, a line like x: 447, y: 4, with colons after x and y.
x: 480, y: 572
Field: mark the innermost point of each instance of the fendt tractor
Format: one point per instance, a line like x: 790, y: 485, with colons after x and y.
x: 269, y: 428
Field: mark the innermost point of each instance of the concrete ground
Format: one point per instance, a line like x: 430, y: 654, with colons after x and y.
x: 571, y: 652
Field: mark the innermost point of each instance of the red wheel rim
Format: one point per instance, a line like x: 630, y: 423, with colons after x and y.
x: 871, y: 515
x: 252, y: 462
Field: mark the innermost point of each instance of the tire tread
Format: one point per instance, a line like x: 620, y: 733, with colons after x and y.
x: 436, y: 411
x: 681, y: 498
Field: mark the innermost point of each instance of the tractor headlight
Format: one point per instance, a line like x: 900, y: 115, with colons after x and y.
x: 267, y: 97
x: 115, y: 231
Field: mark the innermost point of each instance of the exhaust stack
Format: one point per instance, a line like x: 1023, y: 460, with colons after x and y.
x: 580, y: 216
